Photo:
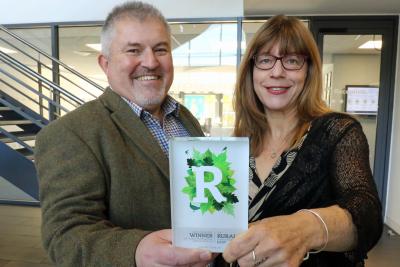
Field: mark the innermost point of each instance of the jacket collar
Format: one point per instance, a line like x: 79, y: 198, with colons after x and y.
x: 134, y: 128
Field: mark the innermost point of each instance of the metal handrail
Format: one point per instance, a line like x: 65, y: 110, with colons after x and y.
x: 47, y: 67
x: 34, y: 79
x: 51, y: 58
x: 40, y: 95
x: 16, y: 139
x: 16, y: 82
x: 33, y: 90
x: 22, y: 93
x: 13, y: 62
x: 20, y: 112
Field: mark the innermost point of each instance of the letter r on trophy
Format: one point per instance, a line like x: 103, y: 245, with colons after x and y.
x: 201, y: 184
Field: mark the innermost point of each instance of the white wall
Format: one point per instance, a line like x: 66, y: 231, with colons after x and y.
x: 40, y: 11
x: 392, y: 217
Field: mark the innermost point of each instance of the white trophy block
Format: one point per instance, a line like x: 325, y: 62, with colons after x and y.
x: 209, y: 179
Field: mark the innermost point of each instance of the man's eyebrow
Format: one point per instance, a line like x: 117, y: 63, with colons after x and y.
x: 133, y: 44
x: 163, y: 43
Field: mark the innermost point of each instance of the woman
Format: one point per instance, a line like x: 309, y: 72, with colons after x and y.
x: 313, y: 201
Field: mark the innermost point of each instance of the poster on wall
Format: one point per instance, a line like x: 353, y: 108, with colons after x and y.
x: 209, y: 179
x: 196, y: 104
x: 362, y: 99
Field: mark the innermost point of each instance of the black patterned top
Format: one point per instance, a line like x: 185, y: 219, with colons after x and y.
x: 330, y: 166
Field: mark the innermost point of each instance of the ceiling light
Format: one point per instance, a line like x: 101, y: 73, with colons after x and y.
x: 96, y: 47
x: 82, y: 53
x: 7, y: 51
x: 371, y: 45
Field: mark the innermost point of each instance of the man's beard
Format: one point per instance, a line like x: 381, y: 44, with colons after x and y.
x: 149, y: 100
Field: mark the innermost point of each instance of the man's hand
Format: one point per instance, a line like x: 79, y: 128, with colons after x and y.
x: 156, y: 249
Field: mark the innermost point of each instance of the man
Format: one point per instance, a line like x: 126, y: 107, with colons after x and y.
x: 103, y: 168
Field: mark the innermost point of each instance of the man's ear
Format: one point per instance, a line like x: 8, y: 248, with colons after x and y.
x: 103, y: 63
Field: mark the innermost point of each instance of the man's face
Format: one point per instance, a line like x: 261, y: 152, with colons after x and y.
x: 139, y: 65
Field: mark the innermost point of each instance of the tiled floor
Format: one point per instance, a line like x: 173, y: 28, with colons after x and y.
x: 20, y: 244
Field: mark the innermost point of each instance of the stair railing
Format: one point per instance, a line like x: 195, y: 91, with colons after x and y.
x: 24, y: 77
x: 43, y: 53
x: 69, y: 83
x: 36, y: 77
x: 16, y: 140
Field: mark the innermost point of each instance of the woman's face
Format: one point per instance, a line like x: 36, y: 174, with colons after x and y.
x: 278, y: 89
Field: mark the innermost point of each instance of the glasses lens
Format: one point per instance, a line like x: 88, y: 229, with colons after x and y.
x: 293, y: 62
x: 264, y: 62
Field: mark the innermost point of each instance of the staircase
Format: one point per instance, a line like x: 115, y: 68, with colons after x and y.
x: 19, y: 126
x: 31, y: 97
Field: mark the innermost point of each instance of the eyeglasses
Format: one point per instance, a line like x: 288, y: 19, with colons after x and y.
x: 289, y: 62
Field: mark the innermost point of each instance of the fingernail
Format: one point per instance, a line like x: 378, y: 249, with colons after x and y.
x: 205, y: 255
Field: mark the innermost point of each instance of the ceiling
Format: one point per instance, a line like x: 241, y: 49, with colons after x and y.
x: 349, y: 44
x: 320, y: 7
x: 73, y: 39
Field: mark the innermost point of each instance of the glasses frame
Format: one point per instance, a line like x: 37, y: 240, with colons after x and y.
x: 280, y: 59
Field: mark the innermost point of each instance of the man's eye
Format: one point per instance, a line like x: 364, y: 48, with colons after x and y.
x: 133, y: 51
x: 161, y: 51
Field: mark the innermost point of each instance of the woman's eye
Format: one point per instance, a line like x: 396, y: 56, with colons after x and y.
x: 265, y: 61
x: 292, y: 61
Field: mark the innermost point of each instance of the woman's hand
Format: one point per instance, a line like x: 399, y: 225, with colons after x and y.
x: 275, y: 241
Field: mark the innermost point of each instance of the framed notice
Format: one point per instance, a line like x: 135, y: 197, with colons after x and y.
x: 362, y: 99
x: 209, y: 179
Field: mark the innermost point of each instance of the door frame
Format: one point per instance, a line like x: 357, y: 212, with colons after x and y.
x: 387, y: 26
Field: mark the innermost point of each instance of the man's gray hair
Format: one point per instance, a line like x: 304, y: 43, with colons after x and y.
x: 134, y: 10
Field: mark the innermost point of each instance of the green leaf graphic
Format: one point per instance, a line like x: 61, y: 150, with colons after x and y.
x: 226, y: 186
x: 193, y: 207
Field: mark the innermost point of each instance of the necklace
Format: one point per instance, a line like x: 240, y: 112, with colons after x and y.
x: 274, y: 151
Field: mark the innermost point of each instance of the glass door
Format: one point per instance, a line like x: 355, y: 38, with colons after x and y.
x: 358, y: 70
x: 351, y: 74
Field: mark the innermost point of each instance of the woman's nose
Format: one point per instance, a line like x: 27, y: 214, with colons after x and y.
x: 278, y: 69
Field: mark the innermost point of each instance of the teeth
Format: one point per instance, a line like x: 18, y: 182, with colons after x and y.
x: 277, y: 89
x: 147, y: 78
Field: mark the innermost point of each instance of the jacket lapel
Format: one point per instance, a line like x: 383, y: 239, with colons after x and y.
x: 134, y: 128
x: 190, y: 122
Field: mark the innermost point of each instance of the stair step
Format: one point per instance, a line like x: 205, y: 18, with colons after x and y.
x: 5, y: 109
x: 15, y: 122
x: 24, y: 151
x: 19, y: 134
x: 22, y: 137
x: 31, y: 157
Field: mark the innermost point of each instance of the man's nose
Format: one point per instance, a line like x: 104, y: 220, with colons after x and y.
x: 149, y: 59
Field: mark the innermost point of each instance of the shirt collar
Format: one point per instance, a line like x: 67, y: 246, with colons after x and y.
x: 169, y: 106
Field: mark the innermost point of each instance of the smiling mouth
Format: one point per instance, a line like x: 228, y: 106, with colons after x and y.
x: 148, y: 78
x: 277, y: 88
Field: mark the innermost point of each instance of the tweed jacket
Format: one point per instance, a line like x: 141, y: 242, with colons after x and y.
x: 104, y: 183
